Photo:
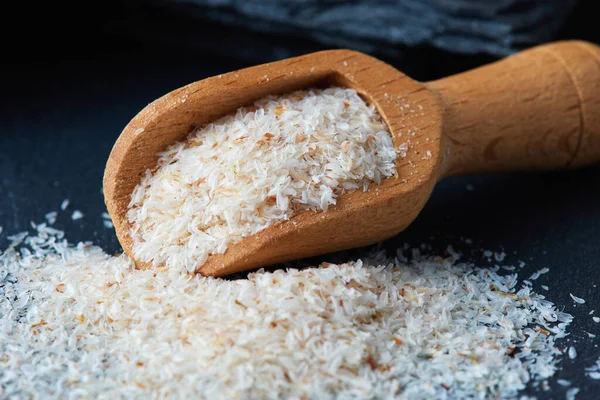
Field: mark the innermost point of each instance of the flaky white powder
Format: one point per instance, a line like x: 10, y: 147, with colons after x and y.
x: 594, y: 371
x: 249, y: 170
x: 51, y: 217
x: 107, y: 221
x: 76, y: 322
x: 576, y: 299
x: 572, y: 393
x: 64, y: 204
x: 594, y: 375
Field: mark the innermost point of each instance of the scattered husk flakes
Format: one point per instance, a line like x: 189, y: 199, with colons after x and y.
x: 76, y: 322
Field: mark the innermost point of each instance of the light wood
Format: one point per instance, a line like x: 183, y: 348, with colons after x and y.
x: 539, y: 109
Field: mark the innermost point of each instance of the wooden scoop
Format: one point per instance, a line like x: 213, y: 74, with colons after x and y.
x: 539, y: 109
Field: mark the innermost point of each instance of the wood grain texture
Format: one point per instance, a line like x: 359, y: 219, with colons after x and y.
x: 583, y: 62
x: 538, y: 109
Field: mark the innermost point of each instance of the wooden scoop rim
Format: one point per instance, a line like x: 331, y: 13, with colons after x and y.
x: 378, y: 82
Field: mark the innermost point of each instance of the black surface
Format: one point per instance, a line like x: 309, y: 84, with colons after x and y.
x: 61, y: 112
x: 380, y: 27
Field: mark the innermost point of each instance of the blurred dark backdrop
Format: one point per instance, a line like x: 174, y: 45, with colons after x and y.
x: 426, y: 39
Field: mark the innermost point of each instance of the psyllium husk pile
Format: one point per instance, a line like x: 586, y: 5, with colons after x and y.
x: 76, y: 322
x: 261, y: 165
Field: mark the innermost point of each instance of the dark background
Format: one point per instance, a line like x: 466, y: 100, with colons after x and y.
x: 74, y: 75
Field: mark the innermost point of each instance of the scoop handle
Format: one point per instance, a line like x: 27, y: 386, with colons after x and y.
x: 537, y: 109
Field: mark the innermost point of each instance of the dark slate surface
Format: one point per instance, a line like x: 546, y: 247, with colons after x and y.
x: 496, y: 27
x: 62, y: 108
